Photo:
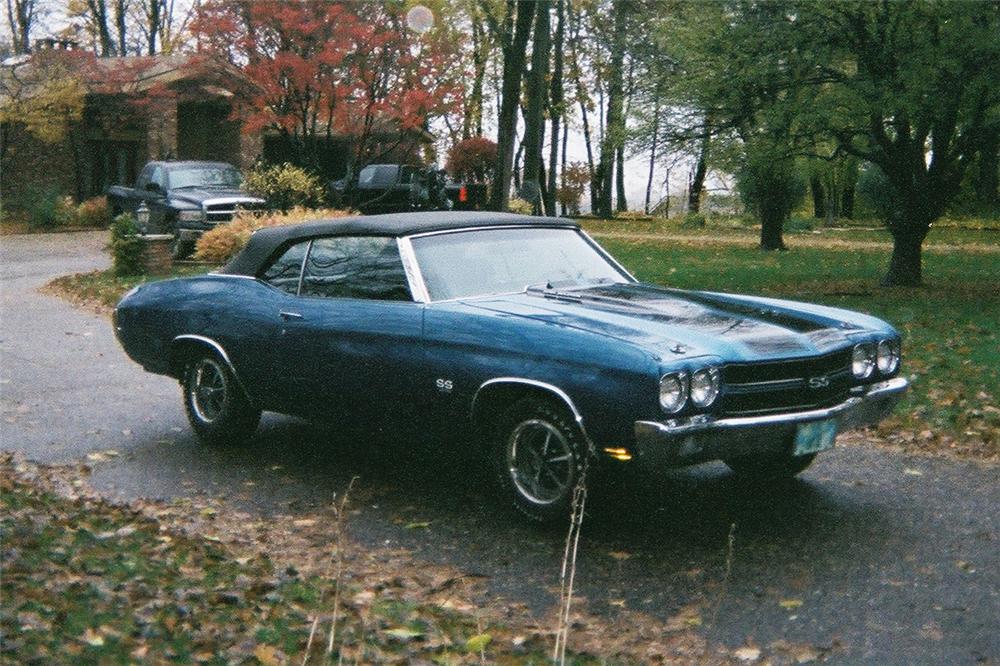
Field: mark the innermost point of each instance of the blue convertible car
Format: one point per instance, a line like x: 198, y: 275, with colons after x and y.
x: 519, y: 332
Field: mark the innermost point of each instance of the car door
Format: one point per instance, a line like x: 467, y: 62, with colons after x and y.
x: 351, y: 339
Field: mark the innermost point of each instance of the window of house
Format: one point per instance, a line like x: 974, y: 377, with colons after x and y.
x: 285, y: 272
x: 355, y: 267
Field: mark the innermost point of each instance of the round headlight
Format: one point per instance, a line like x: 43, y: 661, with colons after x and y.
x: 887, y: 357
x: 704, y: 386
x: 673, y: 391
x: 863, y: 361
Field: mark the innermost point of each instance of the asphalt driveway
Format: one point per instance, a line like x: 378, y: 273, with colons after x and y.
x: 871, y: 556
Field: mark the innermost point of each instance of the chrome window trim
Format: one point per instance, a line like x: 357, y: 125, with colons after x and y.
x: 491, y: 227
x: 551, y: 388
x: 604, y: 253
x: 418, y: 289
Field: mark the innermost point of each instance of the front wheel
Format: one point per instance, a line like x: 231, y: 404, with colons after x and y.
x: 770, y: 467
x: 216, y: 407
x: 539, y: 455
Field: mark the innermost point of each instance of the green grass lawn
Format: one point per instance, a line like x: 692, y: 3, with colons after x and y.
x: 949, y: 327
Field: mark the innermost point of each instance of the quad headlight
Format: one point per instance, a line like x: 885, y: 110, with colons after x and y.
x: 674, y: 391
x: 887, y: 356
x: 863, y: 361
x: 705, y: 387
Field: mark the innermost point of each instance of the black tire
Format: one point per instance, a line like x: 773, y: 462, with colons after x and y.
x: 543, y: 493
x: 770, y: 468
x: 216, y: 407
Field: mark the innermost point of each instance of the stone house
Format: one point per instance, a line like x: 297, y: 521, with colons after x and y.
x: 141, y: 108
x: 135, y: 109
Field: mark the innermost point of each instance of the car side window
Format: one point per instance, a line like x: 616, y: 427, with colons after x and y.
x: 284, y: 273
x: 355, y: 267
x: 144, y: 175
x: 159, y: 177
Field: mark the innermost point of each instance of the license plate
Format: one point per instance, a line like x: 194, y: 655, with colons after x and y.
x: 815, y: 436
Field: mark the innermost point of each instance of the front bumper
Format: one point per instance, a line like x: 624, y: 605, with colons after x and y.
x: 687, y: 441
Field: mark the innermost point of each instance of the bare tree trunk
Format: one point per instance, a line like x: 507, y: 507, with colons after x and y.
x: 99, y: 12
x: 534, y: 121
x: 581, y: 96
x: 819, y: 200
x: 121, y: 15
x: 652, y: 150
x: 986, y: 175
x: 621, y: 205
x: 21, y: 14
x: 700, y: 172
x: 472, y: 123
x: 513, y: 70
x: 615, y: 120
x: 556, y: 109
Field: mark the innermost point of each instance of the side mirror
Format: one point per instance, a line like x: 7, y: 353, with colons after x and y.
x: 154, y: 187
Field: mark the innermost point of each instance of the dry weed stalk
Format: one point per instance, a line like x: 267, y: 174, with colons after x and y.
x: 339, y: 536
x: 338, y: 527
x: 568, y: 573
x: 730, y: 552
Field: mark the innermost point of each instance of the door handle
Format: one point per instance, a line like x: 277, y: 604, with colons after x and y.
x: 289, y: 315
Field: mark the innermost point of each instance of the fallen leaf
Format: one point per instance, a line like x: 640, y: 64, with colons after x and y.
x: 418, y: 525
x: 403, y: 634
x: 478, y: 643
x: 912, y: 472
x: 92, y: 638
x: 304, y: 522
x: 789, y: 604
x: 620, y: 555
x: 747, y: 654
x: 268, y: 655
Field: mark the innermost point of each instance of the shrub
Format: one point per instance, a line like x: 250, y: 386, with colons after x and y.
x: 798, y: 224
x: 93, y: 212
x: 285, y: 186
x: 520, y: 206
x: 693, y: 221
x: 126, y: 246
x: 45, y: 207
x: 473, y: 159
x: 220, y: 244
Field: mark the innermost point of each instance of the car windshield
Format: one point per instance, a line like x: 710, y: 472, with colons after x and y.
x: 499, y: 261
x: 205, y: 176
x: 378, y: 174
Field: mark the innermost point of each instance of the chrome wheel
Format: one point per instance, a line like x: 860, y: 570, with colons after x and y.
x: 540, y: 461
x: 209, y: 390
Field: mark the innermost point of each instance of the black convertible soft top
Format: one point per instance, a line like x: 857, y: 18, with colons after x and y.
x: 265, y: 243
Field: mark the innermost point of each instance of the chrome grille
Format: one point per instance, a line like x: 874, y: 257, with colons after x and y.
x: 223, y: 210
x: 786, y: 385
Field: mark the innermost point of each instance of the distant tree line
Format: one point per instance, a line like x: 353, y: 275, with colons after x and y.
x: 793, y: 99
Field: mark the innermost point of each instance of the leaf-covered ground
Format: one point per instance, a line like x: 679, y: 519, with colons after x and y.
x: 88, y: 581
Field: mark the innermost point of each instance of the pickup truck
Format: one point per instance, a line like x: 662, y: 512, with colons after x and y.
x: 185, y: 199
x: 397, y: 188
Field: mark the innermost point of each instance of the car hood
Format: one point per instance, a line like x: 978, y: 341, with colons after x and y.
x: 196, y: 197
x: 674, y: 322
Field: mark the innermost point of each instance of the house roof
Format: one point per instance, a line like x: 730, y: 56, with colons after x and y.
x: 118, y: 75
x: 266, y: 243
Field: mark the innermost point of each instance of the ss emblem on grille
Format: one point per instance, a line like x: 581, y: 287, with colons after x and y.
x: 819, y: 382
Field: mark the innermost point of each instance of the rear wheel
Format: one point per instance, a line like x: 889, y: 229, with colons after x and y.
x: 538, y: 455
x: 216, y: 407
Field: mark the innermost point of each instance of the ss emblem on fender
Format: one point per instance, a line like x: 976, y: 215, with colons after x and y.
x: 819, y: 382
x: 444, y: 385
